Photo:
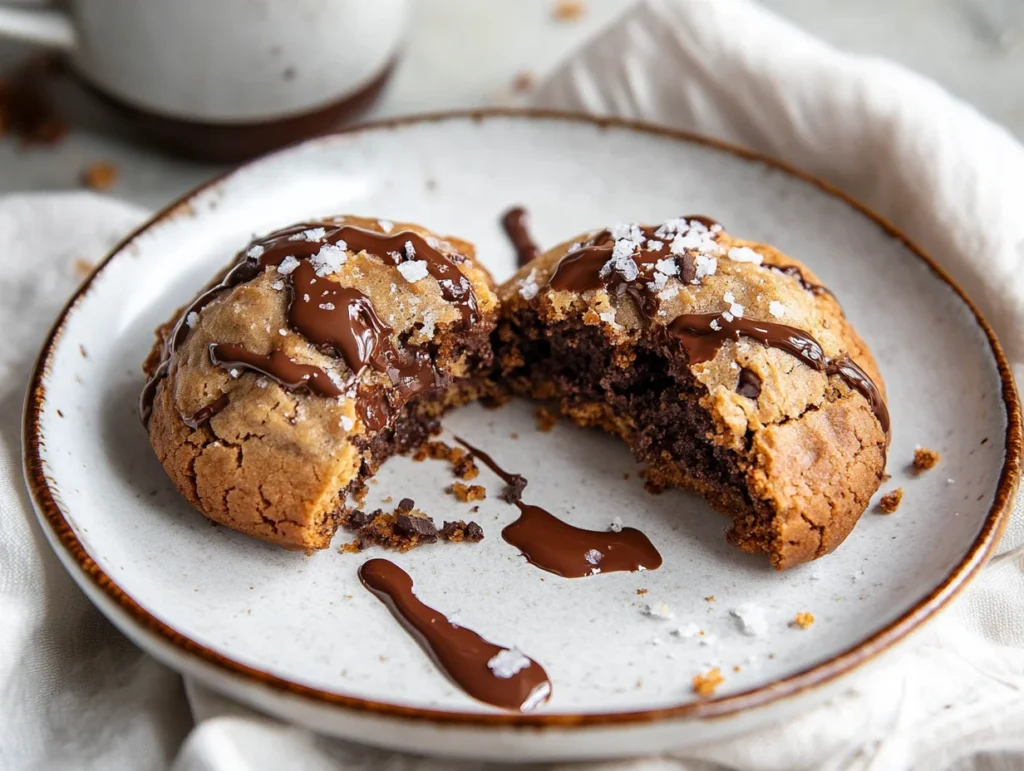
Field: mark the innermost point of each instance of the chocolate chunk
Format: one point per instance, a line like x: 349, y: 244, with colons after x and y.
x: 459, y: 531
x: 357, y: 518
x: 749, y: 384
x: 513, y: 492
x: 406, y: 504
x: 687, y: 267
x: 410, y: 525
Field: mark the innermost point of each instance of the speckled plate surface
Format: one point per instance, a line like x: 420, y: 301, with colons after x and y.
x: 299, y: 637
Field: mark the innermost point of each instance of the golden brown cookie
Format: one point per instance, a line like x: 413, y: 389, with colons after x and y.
x: 321, y: 351
x: 724, y: 364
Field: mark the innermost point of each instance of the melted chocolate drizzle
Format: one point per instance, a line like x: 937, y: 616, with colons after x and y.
x: 461, y: 653
x: 516, y: 224
x: 335, y: 318
x: 793, y: 271
x: 703, y: 334
x: 582, y: 269
x: 567, y: 550
x: 276, y: 366
x: 207, y: 412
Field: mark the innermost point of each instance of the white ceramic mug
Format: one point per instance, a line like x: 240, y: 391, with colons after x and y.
x: 226, y: 62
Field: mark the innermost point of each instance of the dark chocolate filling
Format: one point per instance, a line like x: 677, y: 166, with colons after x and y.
x: 657, y: 391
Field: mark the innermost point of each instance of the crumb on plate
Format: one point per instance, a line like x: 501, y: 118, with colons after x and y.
x: 891, y: 501
x: 467, y: 493
x: 803, y: 620
x: 706, y: 683
x: 546, y: 419
x: 925, y: 459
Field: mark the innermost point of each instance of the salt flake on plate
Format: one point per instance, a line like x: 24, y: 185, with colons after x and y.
x: 507, y: 663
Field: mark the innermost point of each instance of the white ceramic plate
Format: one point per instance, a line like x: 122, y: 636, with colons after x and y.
x: 299, y: 637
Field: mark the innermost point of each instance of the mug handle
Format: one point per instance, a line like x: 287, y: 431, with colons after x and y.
x: 49, y: 28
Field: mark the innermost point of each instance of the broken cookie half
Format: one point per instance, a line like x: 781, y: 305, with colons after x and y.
x: 322, y: 350
x: 724, y: 364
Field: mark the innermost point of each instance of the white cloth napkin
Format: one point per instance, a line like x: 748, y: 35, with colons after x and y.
x: 75, y: 694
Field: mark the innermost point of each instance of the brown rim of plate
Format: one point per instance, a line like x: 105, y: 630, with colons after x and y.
x: 980, y: 550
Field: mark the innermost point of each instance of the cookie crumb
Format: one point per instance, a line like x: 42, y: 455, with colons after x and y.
x: 466, y: 493
x: 403, y: 529
x: 641, y: 592
x: 514, y: 435
x: 459, y: 531
x: 803, y: 620
x: 99, y: 176
x: 83, y: 267
x: 25, y: 109
x: 891, y: 501
x: 546, y: 419
x: 925, y: 459
x: 462, y: 463
x: 709, y: 598
x: 707, y: 683
x: 569, y: 10
x: 737, y: 668
x: 523, y: 81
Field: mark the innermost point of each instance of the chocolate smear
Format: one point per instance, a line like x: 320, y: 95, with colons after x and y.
x: 490, y: 673
x: 566, y: 550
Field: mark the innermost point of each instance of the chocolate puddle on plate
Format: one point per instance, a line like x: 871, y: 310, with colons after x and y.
x: 563, y: 549
x: 499, y: 676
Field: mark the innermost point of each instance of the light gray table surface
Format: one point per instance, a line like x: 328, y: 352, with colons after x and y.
x: 465, y: 53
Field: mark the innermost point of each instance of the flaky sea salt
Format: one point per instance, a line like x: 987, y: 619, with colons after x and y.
x: 668, y: 293
x: 622, y: 261
x: 745, y: 254
x: 574, y: 248
x: 326, y: 306
x: 735, y: 309
x: 667, y: 267
x: 234, y: 372
x: 413, y: 271
x: 654, y: 246
x: 687, y: 632
x: 630, y: 232
x: 282, y: 332
x: 288, y: 265
x: 346, y: 423
x: 410, y: 250
x: 751, y: 619
x: 192, y: 319
x: 313, y: 234
x: 508, y: 663
x: 659, y: 611
x: 329, y: 259
x: 594, y: 557
x: 660, y: 279
x: 255, y: 252
x: 529, y: 288
x: 704, y: 266
x: 386, y: 225
x: 777, y: 309
x: 616, y: 525
x: 278, y: 285
x: 716, y: 325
